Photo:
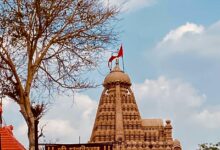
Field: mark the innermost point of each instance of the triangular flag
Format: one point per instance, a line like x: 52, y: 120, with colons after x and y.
x: 120, y: 52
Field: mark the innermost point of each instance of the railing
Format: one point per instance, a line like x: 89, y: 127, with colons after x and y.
x: 92, y: 146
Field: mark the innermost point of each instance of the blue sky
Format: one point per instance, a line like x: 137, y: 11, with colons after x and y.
x: 171, y: 53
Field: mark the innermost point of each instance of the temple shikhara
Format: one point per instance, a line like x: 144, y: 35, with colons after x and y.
x: 118, y: 119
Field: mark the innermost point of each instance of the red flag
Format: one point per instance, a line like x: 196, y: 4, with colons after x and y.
x: 111, y: 58
x: 120, y: 52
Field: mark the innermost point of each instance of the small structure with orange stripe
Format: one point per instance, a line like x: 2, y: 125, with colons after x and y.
x: 7, y: 139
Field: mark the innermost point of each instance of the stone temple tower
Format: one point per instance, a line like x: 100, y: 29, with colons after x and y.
x: 118, y: 120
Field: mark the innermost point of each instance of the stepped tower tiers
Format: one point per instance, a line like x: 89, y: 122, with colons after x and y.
x: 118, y: 120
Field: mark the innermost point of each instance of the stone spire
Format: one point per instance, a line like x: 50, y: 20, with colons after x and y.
x: 117, y: 117
x: 118, y: 120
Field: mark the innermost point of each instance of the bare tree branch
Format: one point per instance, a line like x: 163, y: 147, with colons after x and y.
x: 48, y: 46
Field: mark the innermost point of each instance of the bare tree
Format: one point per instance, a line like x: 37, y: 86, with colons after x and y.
x: 47, y: 45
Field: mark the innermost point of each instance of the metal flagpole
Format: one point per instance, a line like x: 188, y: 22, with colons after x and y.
x: 123, y: 63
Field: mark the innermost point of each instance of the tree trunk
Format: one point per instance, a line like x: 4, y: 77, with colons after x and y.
x: 30, y: 120
x: 31, y: 133
x: 36, y: 134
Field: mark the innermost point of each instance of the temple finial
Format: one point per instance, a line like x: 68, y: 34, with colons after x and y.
x: 116, y: 67
x: 117, y: 62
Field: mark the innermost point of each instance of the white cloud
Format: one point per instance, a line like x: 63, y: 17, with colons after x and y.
x: 167, y: 96
x: 188, y: 28
x: 130, y: 5
x: 192, y: 38
x: 70, y: 118
x: 208, y: 118
x: 57, y: 130
x: 176, y: 99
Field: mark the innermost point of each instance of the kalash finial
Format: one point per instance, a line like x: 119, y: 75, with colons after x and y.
x: 119, y: 54
x: 117, y: 62
x: 117, y: 67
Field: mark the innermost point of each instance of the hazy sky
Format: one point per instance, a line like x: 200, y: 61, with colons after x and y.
x: 172, y: 55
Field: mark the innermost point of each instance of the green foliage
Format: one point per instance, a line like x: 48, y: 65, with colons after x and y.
x: 209, y: 146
